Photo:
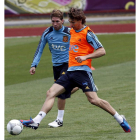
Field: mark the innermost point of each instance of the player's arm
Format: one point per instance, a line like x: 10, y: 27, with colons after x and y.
x: 98, y: 53
x: 38, y: 54
x: 94, y: 42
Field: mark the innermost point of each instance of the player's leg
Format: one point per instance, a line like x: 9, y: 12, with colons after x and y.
x: 61, y: 103
x: 74, y: 90
x: 55, y: 90
x: 61, y: 106
x: 59, y: 120
x: 51, y: 94
x: 58, y: 71
x: 95, y: 100
x: 86, y: 83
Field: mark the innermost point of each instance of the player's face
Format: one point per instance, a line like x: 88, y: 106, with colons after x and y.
x: 57, y: 23
x: 76, y: 24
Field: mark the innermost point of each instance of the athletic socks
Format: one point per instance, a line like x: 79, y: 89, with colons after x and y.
x: 42, y: 114
x: 60, y: 115
x: 118, y: 118
x: 39, y: 117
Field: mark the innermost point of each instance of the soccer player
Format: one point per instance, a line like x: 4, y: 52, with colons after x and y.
x: 57, y: 36
x: 83, y: 42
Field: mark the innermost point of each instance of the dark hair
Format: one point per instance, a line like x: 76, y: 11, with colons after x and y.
x: 78, y: 14
x: 57, y: 13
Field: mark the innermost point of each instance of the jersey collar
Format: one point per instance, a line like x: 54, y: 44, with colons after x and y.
x: 81, y: 29
x: 60, y: 30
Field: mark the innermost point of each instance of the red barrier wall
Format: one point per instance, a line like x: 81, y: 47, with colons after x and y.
x: 37, y: 31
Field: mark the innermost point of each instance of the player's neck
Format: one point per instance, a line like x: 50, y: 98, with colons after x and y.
x: 81, y: 26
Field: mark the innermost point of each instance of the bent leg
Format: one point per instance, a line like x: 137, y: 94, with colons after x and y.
x: 95, y: 100
x: 55, y: 90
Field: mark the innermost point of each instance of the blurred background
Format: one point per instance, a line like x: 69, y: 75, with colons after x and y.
x: 22, y: 8
x: 36, y: 13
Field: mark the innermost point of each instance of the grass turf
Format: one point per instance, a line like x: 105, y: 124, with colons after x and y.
x: 114, y: 76
x: 19, y: 54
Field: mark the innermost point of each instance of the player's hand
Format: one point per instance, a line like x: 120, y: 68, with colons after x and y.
x: 32, y: 70
x: 79, y: 59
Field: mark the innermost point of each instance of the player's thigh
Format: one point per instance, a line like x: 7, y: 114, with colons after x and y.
x: 55, y: 90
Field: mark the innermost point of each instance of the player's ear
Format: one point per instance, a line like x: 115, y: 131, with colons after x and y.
x: 62, y: 21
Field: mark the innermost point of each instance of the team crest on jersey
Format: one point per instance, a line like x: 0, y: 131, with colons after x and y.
x: 65, y: 38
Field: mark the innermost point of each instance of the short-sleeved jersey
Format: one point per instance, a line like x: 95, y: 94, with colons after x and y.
x: 58, y: 42
x: 82, y: 42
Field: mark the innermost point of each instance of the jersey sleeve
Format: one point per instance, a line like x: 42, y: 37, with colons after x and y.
x: 69, y: 30
x: 93, y: 40
x: 40, y: 49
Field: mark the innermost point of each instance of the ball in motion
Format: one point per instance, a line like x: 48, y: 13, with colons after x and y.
x: 14, y: 127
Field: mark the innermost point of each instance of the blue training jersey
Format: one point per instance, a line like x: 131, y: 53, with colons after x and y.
x: 58, y: 42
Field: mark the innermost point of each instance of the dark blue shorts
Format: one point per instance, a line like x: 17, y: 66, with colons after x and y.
x: 58, y: 71
x: 79, y: 78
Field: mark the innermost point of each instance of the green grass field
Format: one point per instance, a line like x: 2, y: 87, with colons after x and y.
x: 114, y: 76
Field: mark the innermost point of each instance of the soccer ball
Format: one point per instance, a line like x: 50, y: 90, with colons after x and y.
x: 14, y: 127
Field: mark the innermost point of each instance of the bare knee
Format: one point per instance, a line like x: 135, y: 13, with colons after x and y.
x: 51, y: 93
x: 55, y: 90
x: 98, y: 102
x: 48, y: 94
x: 94, y: 101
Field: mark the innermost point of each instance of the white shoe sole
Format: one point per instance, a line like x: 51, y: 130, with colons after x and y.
x: 52, y: 126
